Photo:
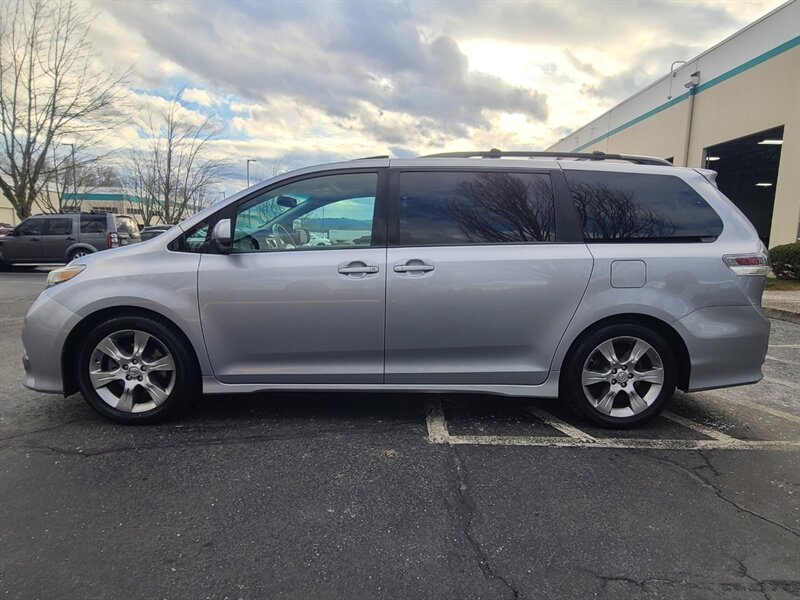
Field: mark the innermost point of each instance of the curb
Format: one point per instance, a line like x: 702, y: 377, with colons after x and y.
x: 782, y: 315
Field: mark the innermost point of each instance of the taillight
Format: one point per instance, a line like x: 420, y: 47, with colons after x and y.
x: 112, y: 240
x: 749, y: 264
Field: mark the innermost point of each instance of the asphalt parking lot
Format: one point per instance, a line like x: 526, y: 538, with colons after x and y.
x: 399, y: 496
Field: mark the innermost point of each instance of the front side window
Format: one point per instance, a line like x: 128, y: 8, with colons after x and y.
x: 635, y: 206
x: 59, y: 226
x: 457, y: 208
x: 31, y: 227
x: 332, y: 211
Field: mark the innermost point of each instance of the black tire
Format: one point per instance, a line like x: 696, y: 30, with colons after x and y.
x: 74, y: 254
x: 186, y: 385
x: 4, y: 266
x: 572, y: 390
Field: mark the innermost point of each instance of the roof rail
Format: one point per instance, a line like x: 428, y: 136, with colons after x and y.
x: 596, y: 155
x: 372, y: 157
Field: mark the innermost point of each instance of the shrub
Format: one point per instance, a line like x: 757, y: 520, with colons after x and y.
x: 785, y: 261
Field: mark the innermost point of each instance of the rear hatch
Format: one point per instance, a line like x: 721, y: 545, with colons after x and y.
x: 127, y: 230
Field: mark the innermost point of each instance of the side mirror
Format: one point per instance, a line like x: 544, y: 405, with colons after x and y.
x: 221, y: 234
x: 287, y: 202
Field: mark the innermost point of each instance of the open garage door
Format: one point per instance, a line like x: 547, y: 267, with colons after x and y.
x: 748, y: 173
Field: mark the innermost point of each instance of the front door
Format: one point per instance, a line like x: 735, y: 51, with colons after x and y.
x: 478, y: 289
x: 301, y: 297
x: 25, y: 245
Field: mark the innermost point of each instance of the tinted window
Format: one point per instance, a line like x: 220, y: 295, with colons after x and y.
x: 30, y: 227
x: 59, y: 226
x: 126, y: 225
x: 93, y: 224
x: 327, y: 212
x: 634, y: 206
x: 475, y: 208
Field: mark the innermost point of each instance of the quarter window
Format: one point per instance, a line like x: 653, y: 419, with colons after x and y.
x: 623, y: 207
x: 328, y: 212
x: 93, y: 224
x: 457, y: 208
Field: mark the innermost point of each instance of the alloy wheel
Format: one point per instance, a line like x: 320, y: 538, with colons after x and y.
x: 622, y: 376
x: 132, y: 371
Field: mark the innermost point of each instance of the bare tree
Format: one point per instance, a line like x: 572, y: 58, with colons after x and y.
x: 173, y: 174
x: 48, y: 91
x: 72, y: 175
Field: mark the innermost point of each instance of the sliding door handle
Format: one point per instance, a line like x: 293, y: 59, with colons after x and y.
x: 412, y: 268
x: 352, y: 270
x: 415, y: 265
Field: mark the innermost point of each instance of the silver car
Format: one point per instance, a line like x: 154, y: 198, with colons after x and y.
x: 606, y: 280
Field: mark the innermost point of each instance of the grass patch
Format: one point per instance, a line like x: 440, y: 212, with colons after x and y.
x: 782, y: 285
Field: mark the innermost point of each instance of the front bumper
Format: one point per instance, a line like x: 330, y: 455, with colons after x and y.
x: 47, y: 326
x: 727, y: 345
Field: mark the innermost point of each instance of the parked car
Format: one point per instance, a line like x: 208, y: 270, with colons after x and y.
x: 61, y: 238
x: 607, y: 280
x: 6, y: 228
x: 152, y: 231
x: 317, y: 240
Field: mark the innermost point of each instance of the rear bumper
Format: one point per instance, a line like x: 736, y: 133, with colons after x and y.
x: 727, y: 345
x: 47, y: 325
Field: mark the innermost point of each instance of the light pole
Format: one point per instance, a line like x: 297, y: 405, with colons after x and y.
x: 249, y: 160
x: 74, y: 183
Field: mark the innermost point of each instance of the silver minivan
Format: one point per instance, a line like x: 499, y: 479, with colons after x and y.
x: 605, y: 280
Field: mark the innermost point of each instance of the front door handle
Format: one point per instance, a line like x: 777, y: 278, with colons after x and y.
x: 35, y: 240
x: 357, y: 268
x: 70, y: 239
x: 413, y: 266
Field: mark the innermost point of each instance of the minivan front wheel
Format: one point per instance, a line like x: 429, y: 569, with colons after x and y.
x: 620, y: 375
x: 136, y: 370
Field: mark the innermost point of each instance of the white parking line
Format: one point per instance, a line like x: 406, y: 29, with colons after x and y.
x: 783, y: 382
x: 438, y: 433
x: 558, y: 424
x: 763, y: 408
x: 780, y: 360
x: 698, y: 427
x: 437, y: 426
x: 784, y: 346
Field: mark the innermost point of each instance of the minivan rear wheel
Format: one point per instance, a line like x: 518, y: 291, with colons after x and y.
x: 620, y: 375
x: 135, y: 369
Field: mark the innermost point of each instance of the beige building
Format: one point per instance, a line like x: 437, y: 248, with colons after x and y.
x: 103, y: 199
x: 9, y: 215
x: 734, y: 109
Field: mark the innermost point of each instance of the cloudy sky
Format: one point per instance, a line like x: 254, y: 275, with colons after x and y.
x: 298, y: 83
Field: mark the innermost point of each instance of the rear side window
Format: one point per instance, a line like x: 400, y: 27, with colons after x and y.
x: 59, y: 226
x: 457, y: 208
x: 93, y: 224
x: 623, y: 207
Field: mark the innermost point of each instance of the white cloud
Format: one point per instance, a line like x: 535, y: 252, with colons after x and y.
x: 303, y: 82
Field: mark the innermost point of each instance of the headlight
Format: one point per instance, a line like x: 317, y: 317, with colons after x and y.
x: 63, y: 274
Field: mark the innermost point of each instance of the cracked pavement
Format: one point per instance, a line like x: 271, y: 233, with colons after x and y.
x: 343, y: 496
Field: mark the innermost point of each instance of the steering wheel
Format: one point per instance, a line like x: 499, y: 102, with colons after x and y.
x: 276, y: 233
